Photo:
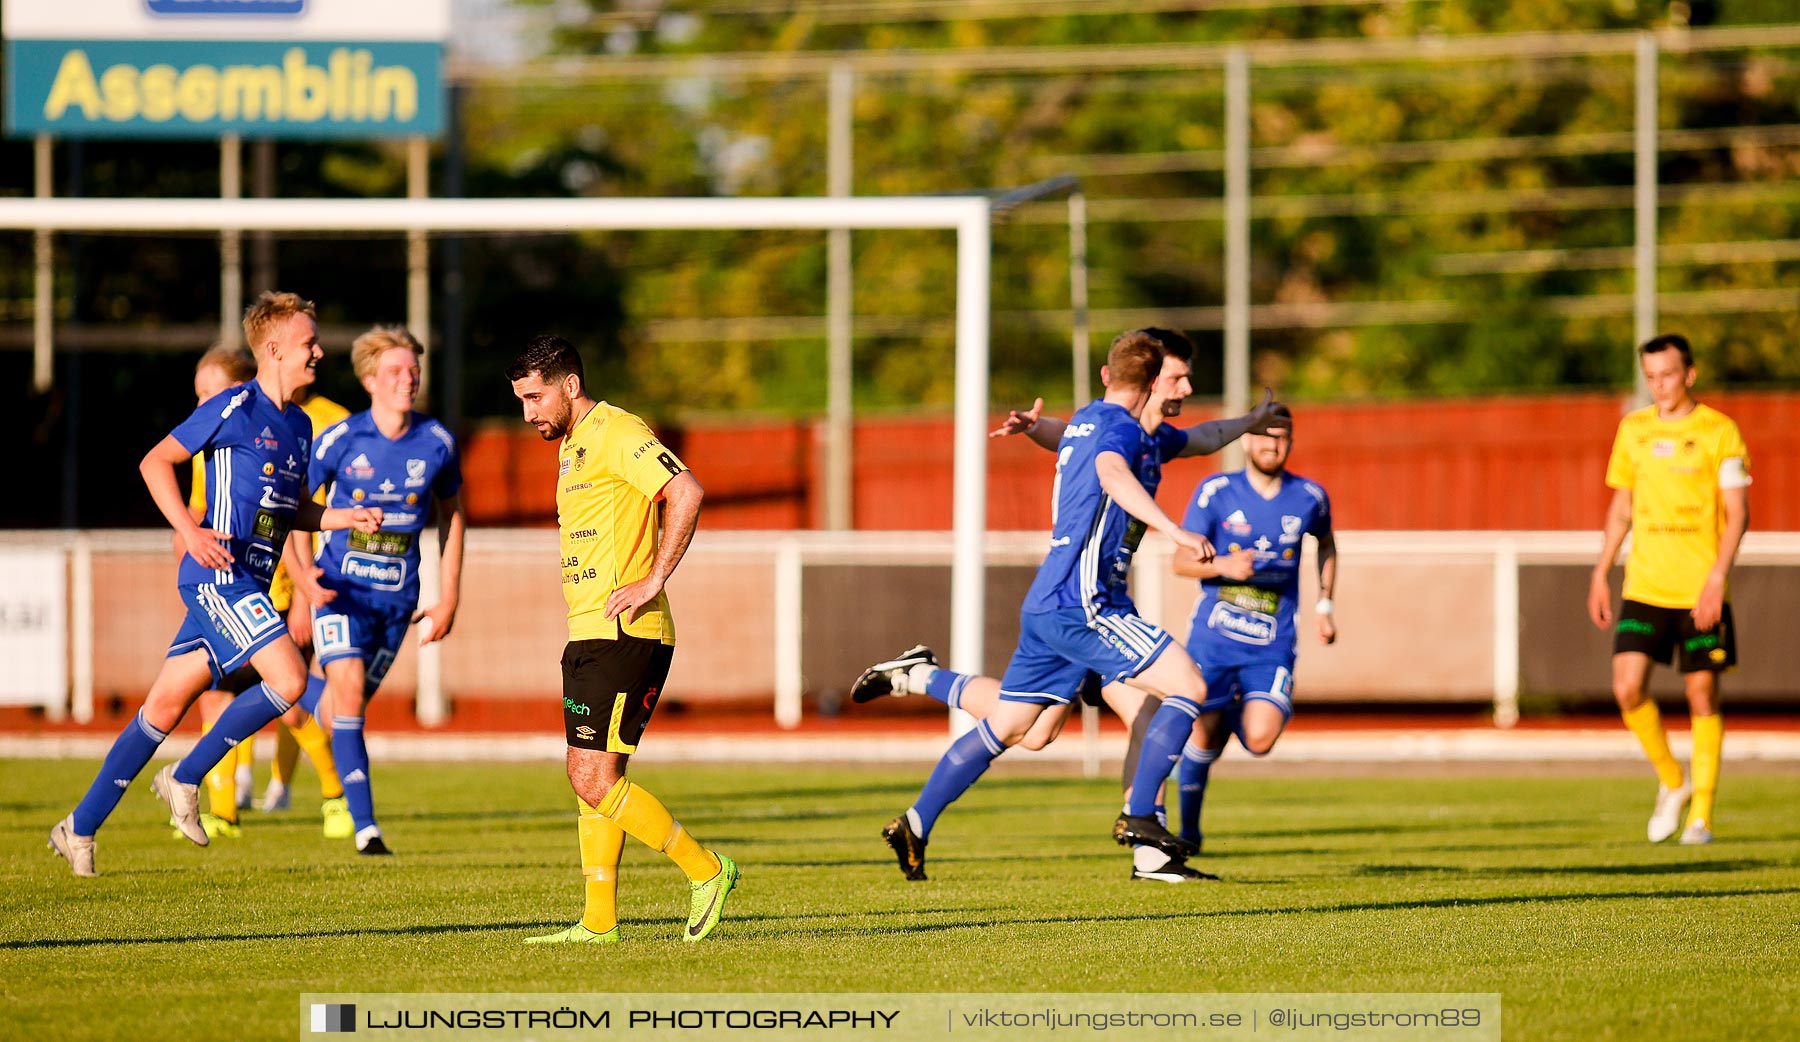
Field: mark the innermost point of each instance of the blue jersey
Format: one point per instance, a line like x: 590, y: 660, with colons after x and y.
x: 1243, y: 622
x: 361, y: 467
x: 255, y: 459
x: 1093, y: 538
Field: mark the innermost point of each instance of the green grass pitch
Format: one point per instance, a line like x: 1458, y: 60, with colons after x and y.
x: 1538, y: 887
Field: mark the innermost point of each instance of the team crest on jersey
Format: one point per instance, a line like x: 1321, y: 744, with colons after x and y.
x: 1290, y: 528
x: 415, y: 473
x: 257, y: 613
x: 1237, y: 523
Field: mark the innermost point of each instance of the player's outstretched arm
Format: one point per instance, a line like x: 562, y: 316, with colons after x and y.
x: 1618, y: 523
x: 1204, y: 439
x: 681, y: 498
x: 1240, y: 565
x: 1117, y: 479
x: 1044, y: 431
x: 158, y: 469
x: 435, y: 621
x: 311, y: 517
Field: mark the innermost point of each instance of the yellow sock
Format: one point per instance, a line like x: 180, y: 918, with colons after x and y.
x: 1709, y: 738
x: 221, y: 782
x: 602, y: 843
x: 1646, y: 722
x: 634, y: 809
x: 312, y: 738
x: 246, y: 753
x: 287, y: 754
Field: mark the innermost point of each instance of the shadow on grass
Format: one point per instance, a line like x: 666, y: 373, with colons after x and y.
x: 1672, y: 868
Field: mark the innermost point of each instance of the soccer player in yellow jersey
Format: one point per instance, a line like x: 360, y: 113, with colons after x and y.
x: 1680, y: 475
x: 626, y: 508
x: 228, y: 784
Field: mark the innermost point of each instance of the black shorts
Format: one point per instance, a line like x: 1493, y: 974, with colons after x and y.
x: 1668, y: 636
x: 1090, y: 691
x: 239, y: 680
x: 610, y: 689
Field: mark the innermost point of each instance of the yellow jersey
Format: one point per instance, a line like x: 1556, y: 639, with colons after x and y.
x: 323, y: 412
x: 611, y: 469
x: 1674, y: 470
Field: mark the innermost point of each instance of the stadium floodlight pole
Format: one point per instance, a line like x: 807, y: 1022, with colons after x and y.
x: 968, y: 215
x: 1644, y: 204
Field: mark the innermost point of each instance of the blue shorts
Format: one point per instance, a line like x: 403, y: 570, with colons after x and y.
x: 1271, y: 682
x: 231, y: 622
x: 1058, y: 649
x: 350, y: 627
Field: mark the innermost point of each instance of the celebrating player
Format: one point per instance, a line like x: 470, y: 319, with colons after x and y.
x: 1077, y: 618
x: 1680, y: 475
x: 256, y: 450
x: 916, y: 671
x: 1243, y: 633
x: 366, y: 588
x: 615, y: 482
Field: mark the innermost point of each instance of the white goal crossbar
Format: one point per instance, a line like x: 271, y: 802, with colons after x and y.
x: 967, y: 215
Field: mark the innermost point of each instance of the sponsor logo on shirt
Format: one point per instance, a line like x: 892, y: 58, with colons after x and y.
x: 1237, y: 523
x: 1079, y: 430
x: 1245, y: 627
x: 383, y: 573
x: 273, y: 500
x: 360, y: 467
x: 267, y: 440
x: 236, y: 400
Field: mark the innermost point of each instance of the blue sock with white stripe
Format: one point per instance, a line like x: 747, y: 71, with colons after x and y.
x: 247, y: 714
x: 966, y: 760
x: 315, y: 687
x: 1168, y: 732
x: 352, y: 755
x: 946, y: 685
x: 1190, y: 778
x: 124, y: 761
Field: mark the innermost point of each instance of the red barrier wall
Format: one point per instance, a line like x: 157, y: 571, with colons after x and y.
x: 1482, y: 463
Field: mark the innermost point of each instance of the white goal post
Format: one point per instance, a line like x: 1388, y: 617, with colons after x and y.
x: 968, y: 215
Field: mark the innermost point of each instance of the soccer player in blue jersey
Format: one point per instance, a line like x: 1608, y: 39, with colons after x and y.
x: 401, y: 461
x: 256, y: 450
x: 1077, y: 618
x: 1243, y: 632
x: 916, y: 671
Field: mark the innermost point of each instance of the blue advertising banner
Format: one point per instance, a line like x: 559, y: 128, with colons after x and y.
x: 201, y: 89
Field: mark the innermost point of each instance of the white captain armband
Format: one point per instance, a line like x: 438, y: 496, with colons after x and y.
x: 1734, y: 473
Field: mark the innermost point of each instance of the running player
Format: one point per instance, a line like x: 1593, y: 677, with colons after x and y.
x: 1680, y: 475
x: 256, y: 449
x: 399, y: 460
x: 1077, y: 618
x: 627, y: 509
x: 1243, y: 633
x: 229, y: 783
x: 916, y: 671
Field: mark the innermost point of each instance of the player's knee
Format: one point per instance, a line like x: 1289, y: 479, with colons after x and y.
x: 1035, y: 742
x: 288, y: 689
x: 1627, y: 692
x: 1259, y: 745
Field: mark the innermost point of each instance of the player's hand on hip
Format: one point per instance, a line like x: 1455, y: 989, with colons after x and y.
x: 1199, y: 544
x: 202, y: 544
x: 307, y: 585
x: 1017, y: 422
x: 1599, y: 603
x: 1711, y: 605
x: 1327, y: 630
x: 627, y: 599
x: 434, y: 622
